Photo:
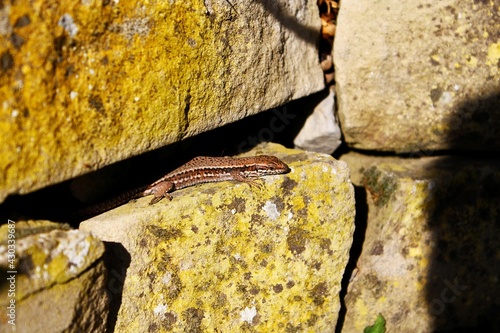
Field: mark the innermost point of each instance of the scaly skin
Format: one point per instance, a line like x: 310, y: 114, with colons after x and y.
x: 215, y: 169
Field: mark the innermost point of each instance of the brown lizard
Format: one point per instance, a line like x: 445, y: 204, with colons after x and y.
x: 199, y: 170
x: 215, y: 169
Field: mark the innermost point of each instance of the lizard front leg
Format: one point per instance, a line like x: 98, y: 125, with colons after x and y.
x: 250, y: 181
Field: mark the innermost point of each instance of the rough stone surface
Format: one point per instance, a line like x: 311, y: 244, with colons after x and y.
x: 431, y: 259
x: 75, y: 77
x: 419, y: 75
x: 321, y: 131
x: 227, y: 257
x: 60, y: 279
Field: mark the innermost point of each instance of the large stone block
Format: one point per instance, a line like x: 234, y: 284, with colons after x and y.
x: 86, y: 84
x: 430, y: 259
x: 56, y: 279
x: 419, y: 75
x: 229, y: 257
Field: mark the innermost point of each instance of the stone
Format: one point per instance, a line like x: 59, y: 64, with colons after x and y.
x: 321, y: 131
x: 418, y: 75
x: 430, y: 258
x: 74, y: 79
x: 228, y: 257
x: 58, y: 279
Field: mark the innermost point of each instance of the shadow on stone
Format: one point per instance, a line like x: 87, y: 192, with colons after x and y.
x: 463, y: 293
x: 117, y: 260
x: 355, y: 252
x: 475, y: 125
x: 291, y: 22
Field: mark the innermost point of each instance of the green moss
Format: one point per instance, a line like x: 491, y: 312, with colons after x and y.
x: 381, y: 186
x: 378, y: 327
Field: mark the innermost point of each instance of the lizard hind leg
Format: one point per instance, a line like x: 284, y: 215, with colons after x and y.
x: 159, y: 191
x: 159, y: 198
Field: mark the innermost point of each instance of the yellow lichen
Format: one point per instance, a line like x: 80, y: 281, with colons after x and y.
x: 493, y: 54
x: 240, y: 256
x: 124, y: 68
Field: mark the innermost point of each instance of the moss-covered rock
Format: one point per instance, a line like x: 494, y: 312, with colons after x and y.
x: 228, y: 257
x: 86, y: 84
x: 56, y: 278
x: 430, y: 257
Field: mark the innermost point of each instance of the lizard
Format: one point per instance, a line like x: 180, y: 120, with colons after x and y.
x: 202, y: 169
